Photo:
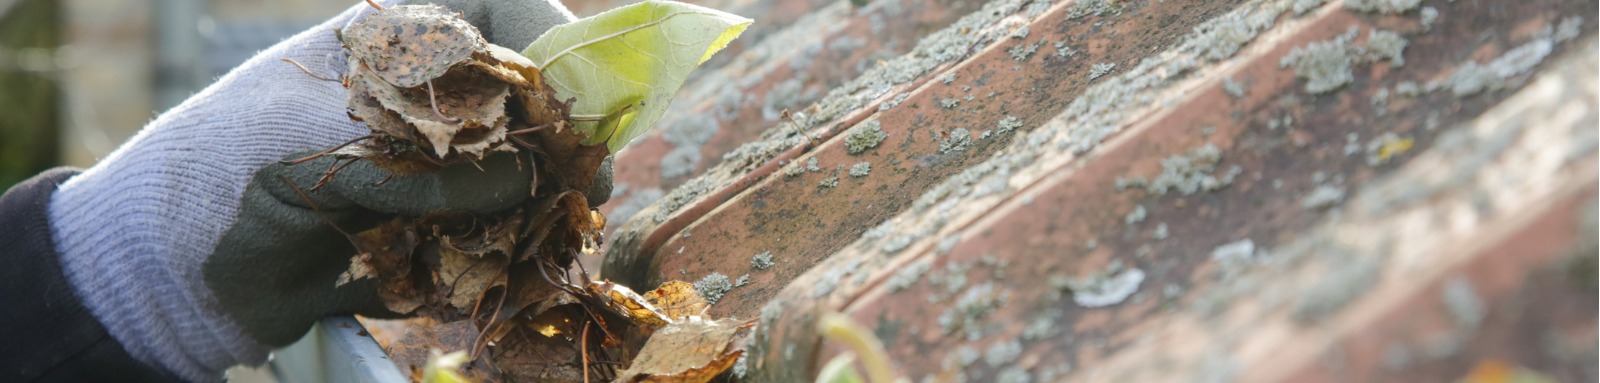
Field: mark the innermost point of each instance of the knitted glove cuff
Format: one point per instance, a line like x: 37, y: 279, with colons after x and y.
x: 134, y: 230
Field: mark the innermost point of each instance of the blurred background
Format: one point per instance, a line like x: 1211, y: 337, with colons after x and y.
x: 81, y: 76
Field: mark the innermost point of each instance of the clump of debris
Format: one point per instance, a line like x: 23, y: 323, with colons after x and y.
x: 435, y: 93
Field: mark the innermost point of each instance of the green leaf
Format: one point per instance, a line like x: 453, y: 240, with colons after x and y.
x: 839, y: 370
x: 623, y: 66
x: 442, y: 368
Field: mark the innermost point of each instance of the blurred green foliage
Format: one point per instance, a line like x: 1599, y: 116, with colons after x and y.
x: 29, y: 117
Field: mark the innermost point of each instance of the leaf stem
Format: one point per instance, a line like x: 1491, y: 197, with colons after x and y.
x: 840, y: 328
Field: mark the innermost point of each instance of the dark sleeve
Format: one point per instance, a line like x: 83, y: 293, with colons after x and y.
x: 46, y: 335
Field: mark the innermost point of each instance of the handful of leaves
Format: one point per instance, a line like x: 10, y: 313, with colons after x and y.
x: 435, y: 93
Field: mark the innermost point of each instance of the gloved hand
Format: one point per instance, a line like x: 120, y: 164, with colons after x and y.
x: 187, y: 244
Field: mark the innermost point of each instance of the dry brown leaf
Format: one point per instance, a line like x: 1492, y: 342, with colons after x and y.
x: 464, y: 277
x: 468, y: 104
x: 365, y: 107
x: 410, y: 350
x: 359, y: 269
x: 495, y: 238
x: 521, y: 296
x: 409, y: 45
x: 385, y: 252
x: 629, y: 304
x: 677, y: 300
x: 690, y: 350
x: 527, y: 354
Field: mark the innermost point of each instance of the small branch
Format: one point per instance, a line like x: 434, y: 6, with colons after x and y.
x: 583, y: 349
x: 320, y: 214
x: 308, y: 71
x: 326, y: 152
x: 433, y: 101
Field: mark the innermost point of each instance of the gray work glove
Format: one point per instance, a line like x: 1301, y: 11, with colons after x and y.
x: 196, y: 255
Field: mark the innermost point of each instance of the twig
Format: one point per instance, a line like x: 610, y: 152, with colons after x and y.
x: 432, y: 101
x: 374, y: 5
x: 583, y: 349
x: 327, y: 152
x: 383, y: 181
x: 320, y: 214
x: 328, y: 175
x: 308, y: 70
x: 530, y: 130
x: 784, y: 115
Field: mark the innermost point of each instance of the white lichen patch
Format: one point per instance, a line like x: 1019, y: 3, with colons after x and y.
x: 762, y: 261
x: 1085, y: 8
x: 1473, y: 78
x: 1003, y: 353
x: 1382, y: 6
x: 713, y: 286
x: 947, y: 244
x: 742, y: 281
x: 1101, y: 69
x: 1013, y: 374
x: 1328, y: 65
x: 899, y: 98
x: 1387, y: 45
x: 828, y: 282
x: 1223, y: 36
x: 1302, y: 6
x: 1322, y: 198
x: 828, y: 183
x: 1064, y: 51
x: 1187, y: 173
x: 681, y: 197
x: 860, y: 169
x: 963, y: 356
x: 958, y: 141
x: 1335, y: 290
x: 971, y: 308
x: 1427, y: 17
x: 1463, y: 303
x: 1380, y: 102
x: 949, y: 103
x: 1232, y: 88
x: 907, y: 276
x: 1104, y: 288
x: 1136, y: 216
x: 1235, y: 256
x: 1007, y: 125
x: 812, y: 165
x: 866, y: 136
x: 794, y: 171
x: 1022, y: 52
x: 1325, y: 65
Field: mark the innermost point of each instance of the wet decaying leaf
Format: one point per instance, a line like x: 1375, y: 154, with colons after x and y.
x: 689, y: 350
x: 678, y: 300
x: 501, y: 286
